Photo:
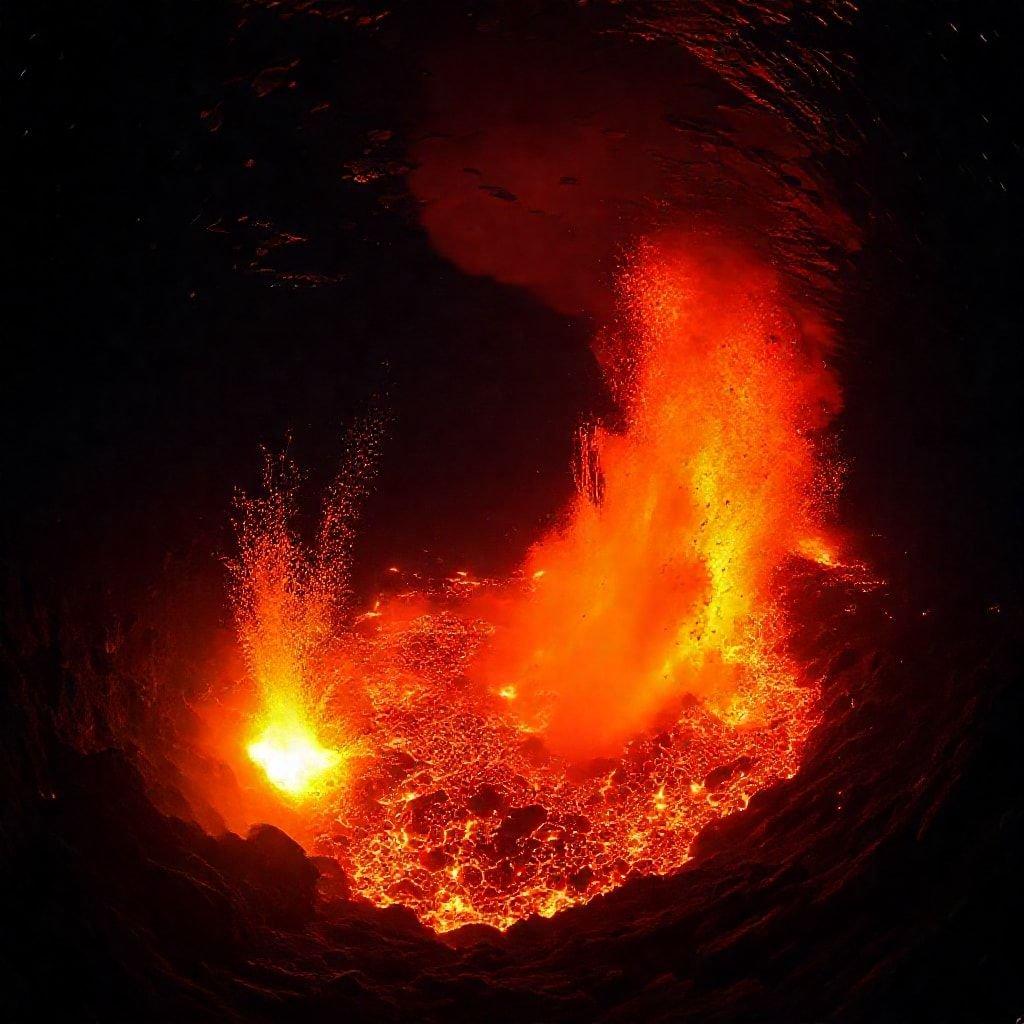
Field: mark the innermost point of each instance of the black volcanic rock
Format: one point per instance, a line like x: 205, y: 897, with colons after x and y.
x: 279, y: 878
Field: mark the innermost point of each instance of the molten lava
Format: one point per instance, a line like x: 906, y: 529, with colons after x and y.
x: 292, y: 757
x: 286, y: 610
x: 484, y: 750
x: 658, y: 585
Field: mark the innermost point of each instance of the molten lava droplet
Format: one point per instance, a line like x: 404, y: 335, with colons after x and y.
x: 292, y: 757
x: 818, y: 549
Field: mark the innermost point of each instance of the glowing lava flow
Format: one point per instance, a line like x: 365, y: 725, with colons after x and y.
x: 525, y: 745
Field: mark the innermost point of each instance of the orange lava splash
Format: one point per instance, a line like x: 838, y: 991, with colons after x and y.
x: 484, y: 750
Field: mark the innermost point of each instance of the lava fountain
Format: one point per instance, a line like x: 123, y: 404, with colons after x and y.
x: 659, y: 585
x: 483, y: 750
x: 286, y: 610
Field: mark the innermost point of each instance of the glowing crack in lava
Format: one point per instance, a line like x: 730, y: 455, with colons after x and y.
x: 514, y: 747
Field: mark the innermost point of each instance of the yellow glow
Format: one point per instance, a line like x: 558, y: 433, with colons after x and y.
x: 292, y: 757
x: 817, y: 549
